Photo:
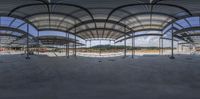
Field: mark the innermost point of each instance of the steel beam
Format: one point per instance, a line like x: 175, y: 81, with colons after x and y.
x: 75, y: 42
x: 38, y: 34
x: 133, y: 46
x: 100, y: 47
x: 68, y: 51
x: 134, y: 36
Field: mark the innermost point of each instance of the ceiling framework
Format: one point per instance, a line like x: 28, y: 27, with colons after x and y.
x: 10, y: 36
x: 56, y: 40
x: 100, y: 19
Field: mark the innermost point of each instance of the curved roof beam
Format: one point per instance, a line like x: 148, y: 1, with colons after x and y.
x: 10, y: 35
x: 158, y: 21
x: 90, y: 29
x: 146, y: 25
x: 16, y: 30
x: 170, y: 5
x: 121, y: 10
x: 54, y: 20
x: 184, y: 34
x: 140, y: 35
x: 162, y: 4
x: 109, y: 29
x: 12, y: 29
x: 64, y: 4
x: 147, y: 29
x: 20, y: 18
x: 64, y: 14
x: 17, y: 26
x: 167, y: 38
x: 173, y: 21
x: 12, y: 22
x: 187, y: 29
x: 97, y: 20
x: 57, y: 13
x: 191, y: 35
x: 142, y: 13
x: 60, y: 31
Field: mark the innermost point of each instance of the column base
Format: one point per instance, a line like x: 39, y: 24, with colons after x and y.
x: 171, y: 57
x: 28, y: 58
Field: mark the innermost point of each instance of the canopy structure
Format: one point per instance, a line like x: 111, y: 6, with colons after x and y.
x: 56, y: 40
x: 108, y: 19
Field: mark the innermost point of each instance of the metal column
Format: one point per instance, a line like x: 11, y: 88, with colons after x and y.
x: 75, y: 43
x: 125, y: 46
x: 124, y: 42
x: 190, y: 49
x: 178, y: 47
x: 159, y: 47
x: 85, y: 45
x: 38, y: 34
x: 100, y: 48
x: 27, y: 43
x: 68, y: 45
x: 133, y: 45
x: 0, y: 39
x: 162, y: 46
x: 90, y: 46
x: 172, y: 44
x: 182, y: 48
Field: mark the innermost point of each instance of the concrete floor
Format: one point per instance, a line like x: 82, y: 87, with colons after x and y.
x: 148, y: 77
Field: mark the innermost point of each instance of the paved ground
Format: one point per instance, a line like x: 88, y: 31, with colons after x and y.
x: 148, y: 77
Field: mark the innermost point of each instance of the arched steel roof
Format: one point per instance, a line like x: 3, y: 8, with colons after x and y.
x: 100, y: 19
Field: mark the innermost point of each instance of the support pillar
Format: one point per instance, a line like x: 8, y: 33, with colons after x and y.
x: 90, y: 46
x: 190, y: 49
x: 178, y: 47
x: 181, y: 48
x: 172, y: 44
x: 68, y: 51
x: 75, y: 46
x: 159, y: 47
x: 125, y: 42
x: 162, y: 46
x: 133, y: 45
x: 27, y: 43
x: 100, y: 48
x: 125, y: 46
x: 85, y: 45
x: 38, y: 34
